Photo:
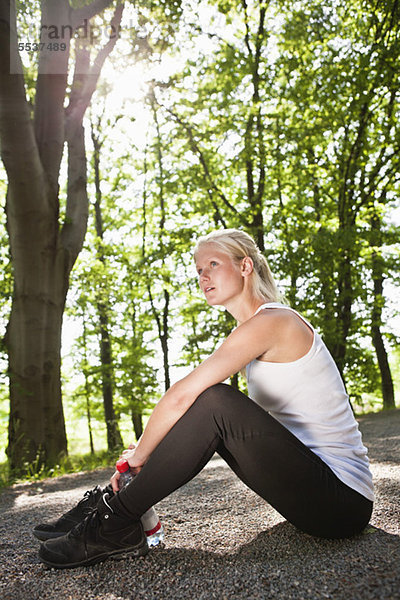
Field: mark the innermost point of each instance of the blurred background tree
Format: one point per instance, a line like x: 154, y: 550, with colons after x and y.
x: 281, y: 119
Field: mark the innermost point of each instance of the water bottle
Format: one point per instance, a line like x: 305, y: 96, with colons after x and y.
x: 151, y: 523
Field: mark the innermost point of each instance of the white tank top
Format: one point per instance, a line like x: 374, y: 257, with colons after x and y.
x: 308, y: 397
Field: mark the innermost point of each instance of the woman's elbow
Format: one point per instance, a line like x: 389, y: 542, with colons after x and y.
x: 180, y: 396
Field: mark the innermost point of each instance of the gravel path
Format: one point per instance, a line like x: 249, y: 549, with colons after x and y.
x: 222, y: 542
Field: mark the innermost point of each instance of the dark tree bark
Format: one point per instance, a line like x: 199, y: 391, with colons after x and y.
x: 87, y: 390
x: 254, y: 143
x: 137, y: 423
x: 162, y: 316
x: 42, y: 253
x: 376, y: 319
x: 114, y: 439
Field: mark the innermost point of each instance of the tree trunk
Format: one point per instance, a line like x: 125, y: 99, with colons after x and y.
x: 42, y: 255
x: 137, y: 422
x: 234, y: 381
x: 383, y: 362
x: 33, y: 338
x: 254, y: 143
x: 87, y: 390
x: 114, y: 439
x: 36, y: 422
x: 163, y: 322
x: 376, y: 321
x: 343, y: 310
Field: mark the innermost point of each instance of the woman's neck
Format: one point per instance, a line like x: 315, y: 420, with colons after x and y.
x: 244, y: 309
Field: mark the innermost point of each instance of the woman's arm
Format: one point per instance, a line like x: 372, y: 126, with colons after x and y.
x: 274, y: 332
x: 249, y: 340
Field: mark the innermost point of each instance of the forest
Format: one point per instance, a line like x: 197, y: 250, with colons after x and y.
x: 127, y: 130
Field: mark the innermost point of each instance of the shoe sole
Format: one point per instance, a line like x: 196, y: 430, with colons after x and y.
x: 116, y: 555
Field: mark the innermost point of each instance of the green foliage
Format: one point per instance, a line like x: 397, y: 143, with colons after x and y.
x: 290, y: 130
x: 70, y: 464
x: 308, y: 133
x: 281, y: 119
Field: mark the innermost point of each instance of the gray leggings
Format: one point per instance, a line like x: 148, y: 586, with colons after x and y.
x: 265, y: 455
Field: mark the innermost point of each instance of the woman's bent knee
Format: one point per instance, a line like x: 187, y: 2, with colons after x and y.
x: 221, y: 396
x: 214, y: 394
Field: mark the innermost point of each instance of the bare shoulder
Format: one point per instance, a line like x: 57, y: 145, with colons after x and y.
x: 281, y: 316
x: 290, y: 337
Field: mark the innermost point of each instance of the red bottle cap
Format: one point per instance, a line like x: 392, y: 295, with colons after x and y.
x: 122, y: 465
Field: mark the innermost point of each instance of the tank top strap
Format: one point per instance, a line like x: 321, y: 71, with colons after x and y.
x: 285, y: 307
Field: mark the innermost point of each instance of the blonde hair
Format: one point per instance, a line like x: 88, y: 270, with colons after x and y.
x: 238, y: 244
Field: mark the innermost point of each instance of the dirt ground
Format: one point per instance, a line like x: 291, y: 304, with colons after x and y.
x: 222, y: 541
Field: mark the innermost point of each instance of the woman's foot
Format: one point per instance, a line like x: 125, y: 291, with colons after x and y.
x: 103, y: 534
x: 61, y: 526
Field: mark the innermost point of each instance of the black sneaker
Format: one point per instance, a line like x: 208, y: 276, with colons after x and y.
x: 61, y: 526
x: 102, y: 534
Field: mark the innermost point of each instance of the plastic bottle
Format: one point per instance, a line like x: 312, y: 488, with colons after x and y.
x: 151, y: 523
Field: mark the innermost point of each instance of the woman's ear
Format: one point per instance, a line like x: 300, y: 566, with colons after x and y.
x: 247, y: 266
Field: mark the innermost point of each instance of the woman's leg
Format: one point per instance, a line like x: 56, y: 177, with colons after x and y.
x: 263, y: 453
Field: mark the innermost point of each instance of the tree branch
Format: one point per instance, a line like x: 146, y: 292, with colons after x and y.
x: 257, y: 102
x: 211, y: 35
x: 51, y: 87
x: 197, y: 150
x: 248, y: 150
x: 247, y: 34
x: 74, y: 229
x: 78, y: 15
x: 155, y: 313
x: 83, y: 87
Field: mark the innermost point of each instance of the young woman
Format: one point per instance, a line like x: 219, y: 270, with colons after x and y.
x: 294, y: 440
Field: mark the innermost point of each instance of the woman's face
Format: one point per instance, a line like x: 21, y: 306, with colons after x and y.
x: 220, y: 279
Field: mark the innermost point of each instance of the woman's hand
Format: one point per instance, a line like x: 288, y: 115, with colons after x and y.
x: 114, y: 480
x: 135, y: 465
x: 134, y: 462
